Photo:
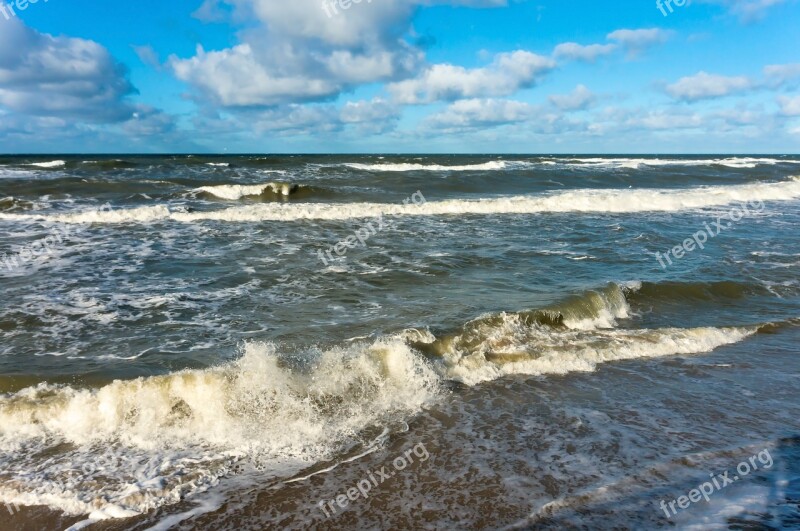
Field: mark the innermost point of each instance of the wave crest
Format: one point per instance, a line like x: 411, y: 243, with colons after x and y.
x: 587, y: 201
x: 235, y: 192
x: 285, y: 413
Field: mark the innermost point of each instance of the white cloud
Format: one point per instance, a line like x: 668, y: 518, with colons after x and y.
x: 577, y: 52
x: 579, y: 99
x: 237, y: 78
x: 782, y: 74
x: 704, y: 86
x: 375, y: 116
x: 149, y: 121
x: 43, y: 75
x: 508, y: 73
x: 299, y: 51
x: 636, y: 41
x: 746, y: 10
x: 472, y: 113
x: 790, y: 106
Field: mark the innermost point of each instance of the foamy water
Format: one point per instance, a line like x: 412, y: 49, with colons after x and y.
x: 590, y: 201
x: 183, y: 354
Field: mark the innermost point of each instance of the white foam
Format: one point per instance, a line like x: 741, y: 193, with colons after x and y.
x: 8, y: 173
x: 234, y: 192
x: 51, y: 164
x: 133, y: 446
x: 156, y: 435
x: 488, y: 166
x: 635, y: 163
x: 589, y: 201
x: 219, y: 164
x: 543, y: 353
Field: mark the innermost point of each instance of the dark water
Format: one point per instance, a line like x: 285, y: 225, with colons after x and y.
x: 186, y: 342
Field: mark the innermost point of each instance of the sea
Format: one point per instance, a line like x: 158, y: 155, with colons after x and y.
x: 399, y: 342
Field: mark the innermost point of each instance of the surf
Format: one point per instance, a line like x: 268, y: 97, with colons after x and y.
x: 603, y: 201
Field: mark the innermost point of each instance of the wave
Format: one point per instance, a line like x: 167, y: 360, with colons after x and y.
x: 609, y: 201
x: 115, y: 164
x: 12, y: 203
x: 488, y: 166
x: 160, y: 439
x: 51, y: 164
x: 234, y: 192
x: 163, y: 438
x: 634, y: 163
x: 573, y: 336
x: 699, y: 291
x: 595, y: 162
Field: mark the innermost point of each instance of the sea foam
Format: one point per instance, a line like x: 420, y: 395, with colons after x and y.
x: 606, y: 201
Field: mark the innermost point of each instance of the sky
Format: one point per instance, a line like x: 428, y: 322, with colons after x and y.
x: 400, y: 76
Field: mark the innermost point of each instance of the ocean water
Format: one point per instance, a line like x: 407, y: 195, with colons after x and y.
x: 196, y: 342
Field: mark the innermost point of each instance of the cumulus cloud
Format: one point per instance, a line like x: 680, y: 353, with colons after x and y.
x: 638, y: 40
x: 579, y: 99
x: 472, y: 113
x: 588, y: 53
x: 508, y: 73
x: 375, y: 116
x: 43, y: 75
x: 300, y: 51
x: 705, y: 86
x: 781, y: 74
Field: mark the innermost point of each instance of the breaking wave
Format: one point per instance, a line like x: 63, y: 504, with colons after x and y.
x: 488, y: 166
x: 573, y: 336
x: 160, y: 439
x: 234, y: 192
x: 633, y: 163
x: 589, y: 163
x: 609, y: 201
x: 164, y: 438
x: 51, y: 164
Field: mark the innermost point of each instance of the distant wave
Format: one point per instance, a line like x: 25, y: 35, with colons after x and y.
x: 607, y: 201
x: 110, y: 164
x: 51, y: 164
x: 488, y: 166
x: 596, y: 162
x: 635, y: 163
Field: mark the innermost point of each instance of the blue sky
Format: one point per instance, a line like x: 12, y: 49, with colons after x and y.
x: 542, y: 76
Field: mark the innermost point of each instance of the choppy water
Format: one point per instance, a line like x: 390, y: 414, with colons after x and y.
x: 185, y: 339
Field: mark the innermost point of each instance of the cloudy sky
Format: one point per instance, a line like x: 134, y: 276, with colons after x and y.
x: 540, y: 76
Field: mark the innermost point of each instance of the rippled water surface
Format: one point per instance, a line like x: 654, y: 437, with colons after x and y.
x: 227, y: 342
